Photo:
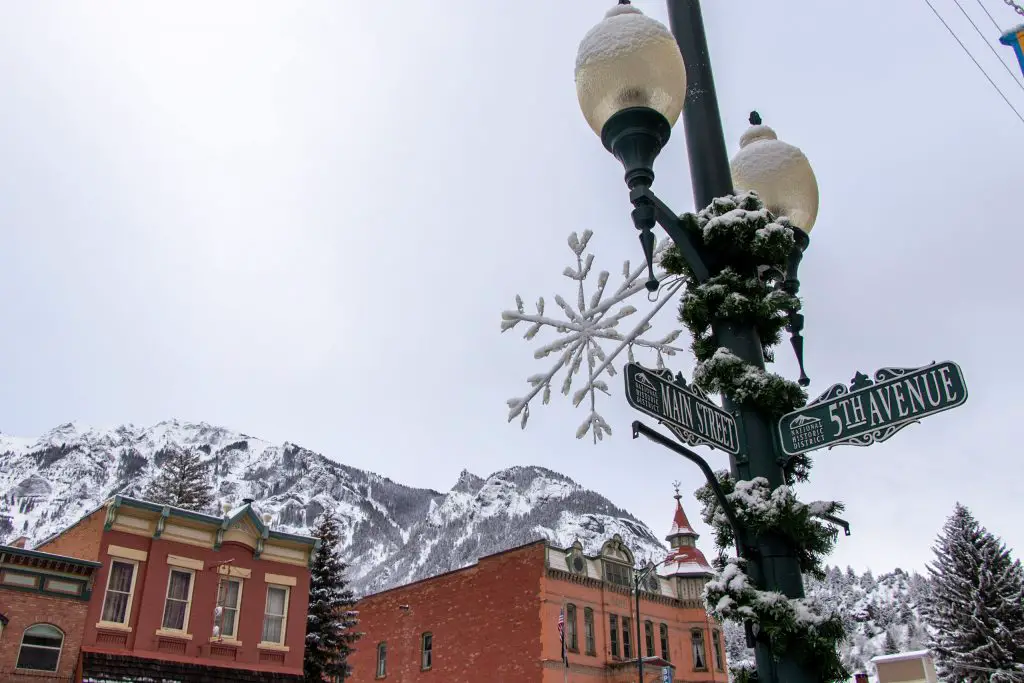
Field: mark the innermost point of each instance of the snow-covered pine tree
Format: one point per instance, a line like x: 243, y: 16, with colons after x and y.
x: 976, y: 604
x: 183, y: 481
x: 331, y: 622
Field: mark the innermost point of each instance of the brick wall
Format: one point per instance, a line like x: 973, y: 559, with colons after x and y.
x: 485, y: 622
x: 81, y: 540
x: 24, y: 609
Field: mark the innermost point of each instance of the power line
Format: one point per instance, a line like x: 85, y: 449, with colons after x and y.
x: 990, y: 17
x: 980, y: 67
x: 989, y: 45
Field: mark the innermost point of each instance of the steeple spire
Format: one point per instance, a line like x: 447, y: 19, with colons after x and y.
x: 681, y: 534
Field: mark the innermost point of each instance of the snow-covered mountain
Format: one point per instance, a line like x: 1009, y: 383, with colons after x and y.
x: 392, y: 534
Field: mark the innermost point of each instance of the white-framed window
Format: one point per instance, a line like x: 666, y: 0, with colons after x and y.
x: 117, y: 603
x: 229, y: 600
x: 382, y: 659
x: 716, y: 649
x: 178, y: 603
x: 275, y: 615
x: 40, y: 648
x: 426, y: 651
x: 700, y: 658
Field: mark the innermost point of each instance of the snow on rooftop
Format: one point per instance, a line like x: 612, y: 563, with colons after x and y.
x: 901, y: 656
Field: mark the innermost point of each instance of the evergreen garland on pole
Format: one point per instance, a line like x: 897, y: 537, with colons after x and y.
x: 976, y: 604
x: 183, y: 482
x: 739, y: 230
x: 331, y: 620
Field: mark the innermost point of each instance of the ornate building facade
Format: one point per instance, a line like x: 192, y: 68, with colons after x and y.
x: 497, y: 620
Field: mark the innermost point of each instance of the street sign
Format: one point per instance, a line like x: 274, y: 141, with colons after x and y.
x: 868, y: 411
x: 666, y: 674
x: 690, y: 416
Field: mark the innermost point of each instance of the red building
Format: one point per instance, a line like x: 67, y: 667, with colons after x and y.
x: 497, y: 620
x: 43, y: 603
x: 188, y: 596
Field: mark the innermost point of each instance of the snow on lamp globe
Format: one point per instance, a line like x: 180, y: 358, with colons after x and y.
x: 631, y: 83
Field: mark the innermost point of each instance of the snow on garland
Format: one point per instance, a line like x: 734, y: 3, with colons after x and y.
x: 738, y: 230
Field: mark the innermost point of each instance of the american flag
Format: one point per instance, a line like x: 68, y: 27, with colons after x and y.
x: 561, y: 635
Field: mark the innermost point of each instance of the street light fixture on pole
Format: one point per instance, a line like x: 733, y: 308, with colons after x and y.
x: 638, y: 579
x: 633, y: 80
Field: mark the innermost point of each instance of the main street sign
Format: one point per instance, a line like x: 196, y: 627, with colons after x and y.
x: 690, y: 416
x: 868, y: 412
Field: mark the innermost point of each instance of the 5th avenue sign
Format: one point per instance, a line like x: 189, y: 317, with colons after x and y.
x: 868, y: 412
x: 692, y: 418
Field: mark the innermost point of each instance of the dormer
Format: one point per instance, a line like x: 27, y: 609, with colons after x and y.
x: 617, y: 562
x: 575, y: 560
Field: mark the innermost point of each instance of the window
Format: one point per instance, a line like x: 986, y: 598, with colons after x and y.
x: 617, y: 574
x: 40, y: 648
x: 20, y: 580
x: 588, y: 631
x: 117, y: 604
x: 229, y: 597
x: 649, y: 638
x: 663, y: 629
x: 275, y: 616
x: 716, y: 649
x: 427, y: 651
x: 627, y: 643
x: 382, y: 660
x: 179, y: 597
x: 613, y: 634
x: 700, y: 659
x: 572, y: 640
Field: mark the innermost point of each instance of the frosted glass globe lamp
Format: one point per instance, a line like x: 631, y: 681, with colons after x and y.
x: 631, y: 83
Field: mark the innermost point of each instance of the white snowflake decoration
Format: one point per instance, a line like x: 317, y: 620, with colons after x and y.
x: 583, y: 330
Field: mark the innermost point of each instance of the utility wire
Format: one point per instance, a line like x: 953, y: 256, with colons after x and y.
x: 988, y: 43
x: 980, y: 67
x: 991, y: 18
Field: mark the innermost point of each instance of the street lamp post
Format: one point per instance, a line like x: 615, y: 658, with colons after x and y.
x: 638, y: 579
x: 634, y: 79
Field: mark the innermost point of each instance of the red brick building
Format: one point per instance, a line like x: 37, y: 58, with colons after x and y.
x: 43, y: 603
x: 189, y: 596
x: 497, y: 620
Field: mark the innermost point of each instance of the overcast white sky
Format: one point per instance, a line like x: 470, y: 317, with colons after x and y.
x: 302, y: 221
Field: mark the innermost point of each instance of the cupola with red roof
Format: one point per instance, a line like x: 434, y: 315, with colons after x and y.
x: 685, y: 559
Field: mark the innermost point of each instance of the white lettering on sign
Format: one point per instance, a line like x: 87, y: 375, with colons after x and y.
x: 893, y: 401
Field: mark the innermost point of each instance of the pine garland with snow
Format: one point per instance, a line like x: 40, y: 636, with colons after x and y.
x: 183, y: 482
x: 976, y: 605
x: 331, y: 620
x: 738, y: 230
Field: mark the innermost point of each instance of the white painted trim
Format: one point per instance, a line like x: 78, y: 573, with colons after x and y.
x: 185, y: 562
x: 123, y: 553
x: 171, y: 633
x: 238, y: 608
x: 280, y: 579
x: 234, y: 572
x: 264, y: 645
x: 183, y: 633
x: 284, y: 615
x: 226, y: 641
x: 131, y: 590
x: 112, y: 626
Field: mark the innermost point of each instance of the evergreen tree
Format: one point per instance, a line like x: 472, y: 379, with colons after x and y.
x: 976, y: 604
x: 183, y: 481
x: 330, y: 625
x: 891, y: 645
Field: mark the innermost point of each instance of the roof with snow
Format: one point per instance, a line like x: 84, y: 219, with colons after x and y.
x: 902, y: 656
x: 686, y: 561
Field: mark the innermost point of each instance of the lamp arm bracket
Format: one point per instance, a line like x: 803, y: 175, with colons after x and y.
x: 832, y: 519
x: 744, y: 548
x: 676, y: 228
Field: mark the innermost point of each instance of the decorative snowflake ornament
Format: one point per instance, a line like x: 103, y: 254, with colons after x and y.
x: 584, y: 328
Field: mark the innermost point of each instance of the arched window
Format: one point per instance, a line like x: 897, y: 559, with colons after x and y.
x: 588, y: 630
x: 700, y: 657
x: 649, y: 637
x: 382, y: 659
x: 716, y: 649
x: 572, y: 641
x: 426, y: 651
x: 663, y: 629
x: 40, y: 648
